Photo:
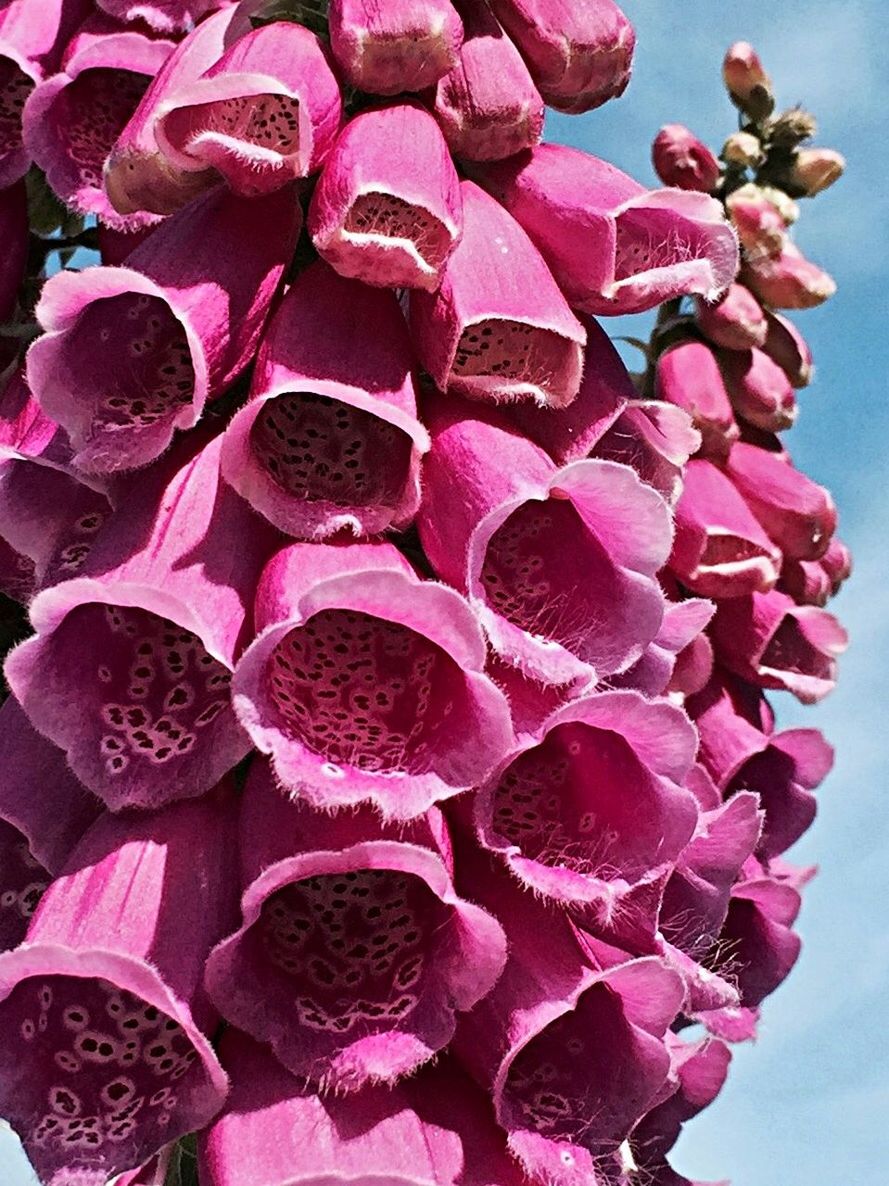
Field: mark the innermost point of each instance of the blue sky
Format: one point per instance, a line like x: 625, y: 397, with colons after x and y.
x: 807, y: 1105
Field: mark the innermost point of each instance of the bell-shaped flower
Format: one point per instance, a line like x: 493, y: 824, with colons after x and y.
x: 558, y: 563
x: 656, y: 439
x: 612, y: 245
x: 487, y: 104
x: 580, y: 54
x: 355, y: 952
x: 498, y: 328
x: 329, y: 438
x: 435, y: 1129
x: 106, y: 1056
x: 130, y: 667
x: 131, y: 354
x: 681, y: 160
x: 44, y: 811
x: 759, y: 389
x: 387, y: 208
x: 789, y: 280
x: 786, y: 346
x: 385, y: 49
x: 265, y: 113
x: 720, y: 548
x: 737, y: 321
x: 672, y: 661
x: 73, y: 119
x: 814, y: 582
x: 687, y: 375
x: 734, y: 722
x: 767, y: 639
x: 366, y: 683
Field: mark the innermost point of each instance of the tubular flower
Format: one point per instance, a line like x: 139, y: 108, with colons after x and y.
x: 688, y: 376
x: 680, y: 159
x: 375, y: 991
x: 737, y: 321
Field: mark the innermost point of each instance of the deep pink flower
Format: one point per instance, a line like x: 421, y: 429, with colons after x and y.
x: 580, y: 54
x: 673, y: 660
x: 72, y: 119
x: 487, y: 103
x: 654, y: 438
x: 688, y: 376
x: 789, y: 281
x: 737, y: 321
x: 682, y: 160
x: 387, y: 208
x: 815, y: 582
x: 720, y: 548
x: 614, y: 246
x: 105, y: 1058
x: 734, y: 722
x: 403, y: 716
x: 498, y: 328
x: 266, y: 112
x: 759, y: 389
x: 330, y: 437
x: 133, y: 353
x: 130, y: 667
x: 435, y: 1129
x: 558, y: 563
x: 355, y: 953
x: 389, y: 48
x: 786, y: 346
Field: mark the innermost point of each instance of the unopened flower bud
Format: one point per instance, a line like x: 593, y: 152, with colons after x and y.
x: 789, y: 281
x: 744, y: 149
x: 736, y: 322
x: 747, y: 82
x: 761, y: 228
x: 791, y: 127
x: 814, y: 169
x: 682, y: 160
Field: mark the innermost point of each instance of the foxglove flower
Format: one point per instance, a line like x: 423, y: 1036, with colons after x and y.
x: 680, y: 632
x: 786, y: 346
x: 387, y: 209
x: 682, y: 160
x: 330, y: 437
x: 581, y: 54
x: 789, y: 281
x: 815, y: 582
x: 766, y: 639
x: 613, y: 246
x: 737, y: 321
x: 105, y: 1058
x: 44, y: 811
x: 355, y: 951
x: 487, y: 104
x: 435, y: 1129
x: 594, y: 807
x: 498, y: 328
x: 386, y: 49
x: 687, y: 375
x: 365, y: 683
x: 133, y: 353
x: 558, y: 563
x: 73, y: 119
x: 654, y: 438
x: 130, y: 667
x: 720, y: 548
x: 32, y: 38
x: 734, y: 722
x: 572, y: 1051
x: 798, y: 514
x: 264, y: 114
x: 759, y: 389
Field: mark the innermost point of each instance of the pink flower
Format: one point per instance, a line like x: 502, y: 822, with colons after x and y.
x: 687, y: 375
x: 389, y: 48
x: 682, y: 160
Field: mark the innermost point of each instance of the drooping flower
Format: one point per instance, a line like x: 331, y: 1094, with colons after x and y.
x: 130, y: 667
x: 613, y: 246
x: 682, y: 160
x: 498, y: 328
x: 737, y: 321
x: 786, y: 346
x: 759, y: 389
x: 656, y: 439
x: 558, y: 563
x: 789, y: 280
x: 366, y: 684
x: 387, y: 208
x: 133, y: 353
x: 330, y: 437
x: 688, y: 376
x: 106, y: 1057
x: 354, y: 953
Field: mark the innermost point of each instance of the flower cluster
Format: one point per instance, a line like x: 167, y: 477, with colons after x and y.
x: 387, y: 782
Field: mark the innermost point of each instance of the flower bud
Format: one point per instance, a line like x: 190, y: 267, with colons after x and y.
x: 385, y: 49
x: 744, y: 149
x: 746, y: 80
x: 682, y: 160
x: 759, y: 390
x: 688, y: 376
x: 789, y: 281
x: 814, y: 169
x: 737, y: 322
x: 786, y: 346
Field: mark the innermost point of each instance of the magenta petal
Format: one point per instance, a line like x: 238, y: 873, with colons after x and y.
x: 106, y: 1058
x: 133, y: 353
x: 73, y: 119
x: 594, y: 805
x: 143, y: 710
x: 655, y: 439
x: 769, y: 641
x: 497, y: 509
x: 759, y: 389
x: 330, y: 437
x: 580, y: 54
x: 720, y: 548
x: 613, y: 246
x: 688, y: 375
x: 265, y: 113
x: 786, y: 346
x: 678, y: 644
x: 385, y: 49
x: 369, y: 992
x: 498, y: 329
x: 680, y: 159
x: 757, y: 934
x: 733, y: 724
x: 737, y: 321
x: 435, y: 1129
x: 387, y: 208
x: 487, y: 104
x: 425, y: 722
